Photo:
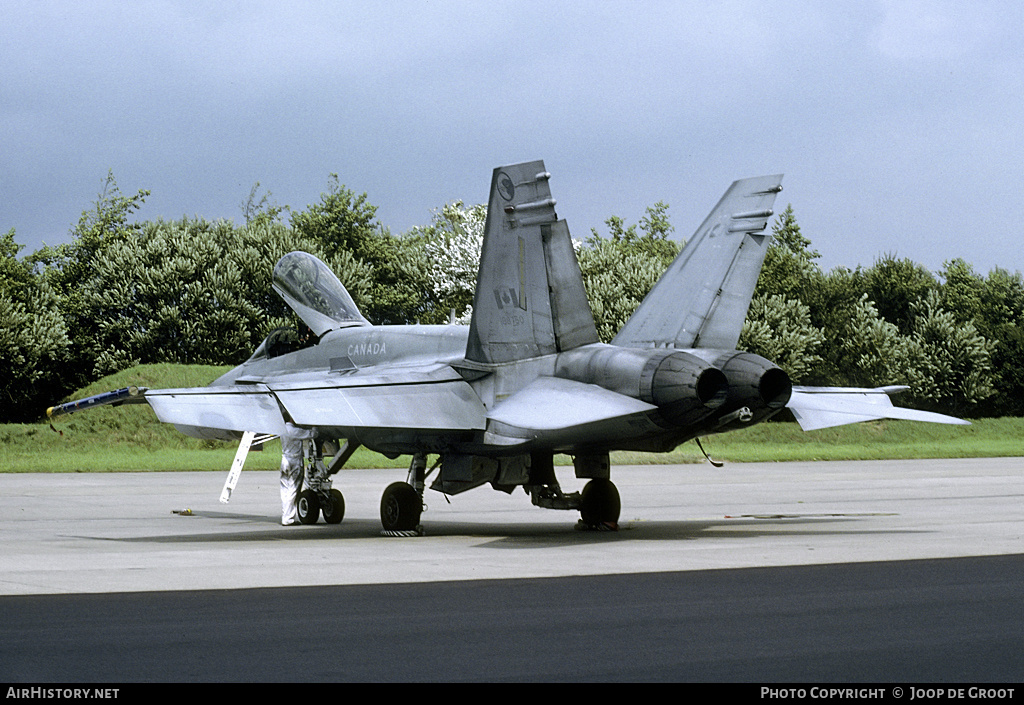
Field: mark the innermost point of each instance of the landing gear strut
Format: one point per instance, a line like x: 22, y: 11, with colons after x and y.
x: 319, y: 497
x: 599, y: 504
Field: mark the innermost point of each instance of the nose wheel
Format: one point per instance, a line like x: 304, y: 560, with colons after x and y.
x: 319, y: 497
x: 335, y: 511
x: 308, y: 507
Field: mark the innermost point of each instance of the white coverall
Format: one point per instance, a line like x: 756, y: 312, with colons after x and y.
x: 292, y: 442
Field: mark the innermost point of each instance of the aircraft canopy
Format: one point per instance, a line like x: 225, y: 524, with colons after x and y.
x: 315, y: 294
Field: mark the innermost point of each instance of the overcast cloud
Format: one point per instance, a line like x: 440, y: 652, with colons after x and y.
x: 897, y: 124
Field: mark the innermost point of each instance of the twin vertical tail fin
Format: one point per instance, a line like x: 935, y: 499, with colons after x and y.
x: 703, y: 297
x: 529, y: 299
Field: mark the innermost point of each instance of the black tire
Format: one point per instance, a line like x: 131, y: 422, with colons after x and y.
x: 336, y: 511
x: 309, y: 507
x: 400, y: 507
x: 600, y: 503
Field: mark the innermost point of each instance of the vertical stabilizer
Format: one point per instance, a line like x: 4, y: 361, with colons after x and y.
x: 702, y: 299
x: 529, y: 299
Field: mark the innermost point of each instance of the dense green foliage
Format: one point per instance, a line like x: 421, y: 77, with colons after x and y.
x: 620, y: 269
x: 34, y: 341
x: 953, y: 338
x: 194, y: 291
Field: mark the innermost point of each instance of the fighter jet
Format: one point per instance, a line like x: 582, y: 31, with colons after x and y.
x: 526, y: 380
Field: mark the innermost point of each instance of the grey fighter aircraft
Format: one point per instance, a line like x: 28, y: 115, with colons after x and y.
x: 527, y: 379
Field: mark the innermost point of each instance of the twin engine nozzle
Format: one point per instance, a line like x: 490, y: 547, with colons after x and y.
x: 758, y: 388
x: 712, y: 387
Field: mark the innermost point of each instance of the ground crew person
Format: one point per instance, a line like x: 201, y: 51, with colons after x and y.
x: 293, y: 441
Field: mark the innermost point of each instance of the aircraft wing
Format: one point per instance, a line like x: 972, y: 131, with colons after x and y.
x: 246, y: 407
x: 436, y: 405
x: 429, y: 397
x: 823, y: 407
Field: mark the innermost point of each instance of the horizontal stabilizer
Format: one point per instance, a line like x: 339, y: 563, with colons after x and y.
x: 552, y: 403
x: 816, y: 408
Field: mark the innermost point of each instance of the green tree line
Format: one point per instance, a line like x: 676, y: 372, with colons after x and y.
x: 123, y: 292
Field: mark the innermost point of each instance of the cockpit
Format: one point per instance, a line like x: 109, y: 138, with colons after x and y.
x: 316, y: 295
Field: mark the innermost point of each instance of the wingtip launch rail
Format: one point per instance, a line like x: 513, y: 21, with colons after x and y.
x: 127, y: 395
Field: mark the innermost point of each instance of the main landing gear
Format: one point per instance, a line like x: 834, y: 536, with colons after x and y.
x: 319, y: 497
x: 402, y: 503
x: 400, y: 506
x: 400, y: 509
x: 598, y: 504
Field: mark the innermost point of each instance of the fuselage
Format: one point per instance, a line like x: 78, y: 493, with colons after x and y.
x: 685, y: 393
x: 357, y: 348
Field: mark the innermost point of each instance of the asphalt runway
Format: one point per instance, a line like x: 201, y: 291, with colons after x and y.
x: 771, y: 572
x: 904, y: 622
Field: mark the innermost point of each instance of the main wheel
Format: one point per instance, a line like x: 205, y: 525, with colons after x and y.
x: 600, y: 504
x: 309, y: 507
x: 334, y: 513
x: 400, y: 507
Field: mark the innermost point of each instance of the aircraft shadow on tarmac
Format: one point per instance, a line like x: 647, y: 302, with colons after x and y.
x: 534, y: 534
